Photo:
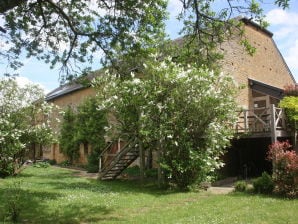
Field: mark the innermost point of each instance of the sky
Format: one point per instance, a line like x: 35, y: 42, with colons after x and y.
x: 283, y: 25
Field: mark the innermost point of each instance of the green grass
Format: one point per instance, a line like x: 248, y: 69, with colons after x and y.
x: 55, y: 195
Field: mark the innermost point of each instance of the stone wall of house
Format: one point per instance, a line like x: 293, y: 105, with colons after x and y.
x: 73, y: 99
x: 266, y: 65
x: 53, y: 152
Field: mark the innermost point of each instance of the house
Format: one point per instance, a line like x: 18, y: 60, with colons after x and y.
x: 263, y: 76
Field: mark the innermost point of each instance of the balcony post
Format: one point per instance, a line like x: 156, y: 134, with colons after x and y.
x: 245, y: 112
x: 273, y: 124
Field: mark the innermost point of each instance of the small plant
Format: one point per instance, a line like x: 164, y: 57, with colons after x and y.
x: 65, y: 163
x: 133, y: 171
x: 52, y: 161
x: 13, y: 206
x: 241, y: 186
x: 41, y: 165
x: 263, y: 184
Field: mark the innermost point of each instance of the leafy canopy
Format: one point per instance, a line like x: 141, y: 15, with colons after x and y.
x: 68, y: 32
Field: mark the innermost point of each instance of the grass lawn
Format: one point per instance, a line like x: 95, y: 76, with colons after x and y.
x: 55, y: 195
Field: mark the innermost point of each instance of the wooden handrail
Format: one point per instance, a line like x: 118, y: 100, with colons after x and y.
x: 118, y: 155
x: 268, y: 120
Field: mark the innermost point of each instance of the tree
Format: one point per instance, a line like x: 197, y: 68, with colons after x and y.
x: 68, y: 32
x: 90, y: 125
x: 290, y: 104
x: 83, y: 125
x: 67, y: 138
x: 186, y: 114
x: 22, y: 122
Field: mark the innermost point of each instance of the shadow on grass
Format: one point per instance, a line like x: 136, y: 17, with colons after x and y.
x: 41, y: 203
x: 34, y: 208
x: 251, y: 193
x: 68, y: 179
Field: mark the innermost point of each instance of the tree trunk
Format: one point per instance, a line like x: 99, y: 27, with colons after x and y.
x: 142, y: 161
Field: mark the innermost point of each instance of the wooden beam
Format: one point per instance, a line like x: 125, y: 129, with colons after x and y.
x: 273, y: 124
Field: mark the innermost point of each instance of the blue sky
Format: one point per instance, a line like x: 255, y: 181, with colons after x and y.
x: 283, y: 24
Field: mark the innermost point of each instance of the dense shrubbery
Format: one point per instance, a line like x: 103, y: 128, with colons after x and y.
x: 185, y: 113
x: 285, y: 168
x: 241, y: 186
x: 263, y: 184
x: 85, y: 126
x: 23, y: 121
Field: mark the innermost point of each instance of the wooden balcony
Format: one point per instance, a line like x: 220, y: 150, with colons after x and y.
x: 262, y: 122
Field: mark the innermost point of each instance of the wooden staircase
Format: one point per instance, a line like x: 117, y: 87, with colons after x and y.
x: 112, y: 164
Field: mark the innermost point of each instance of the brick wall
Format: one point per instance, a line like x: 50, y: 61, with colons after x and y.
x: 266, y: 65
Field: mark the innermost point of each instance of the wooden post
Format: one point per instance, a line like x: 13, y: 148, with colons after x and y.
x: 160, y: 174
x: 245, y: 120
x: 142, y: 161
x: 273, y: 124
x: 99, y: 164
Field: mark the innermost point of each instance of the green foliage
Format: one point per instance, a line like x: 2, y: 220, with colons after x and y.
x: 13, y: 201
x: 241, y: 186
x: 65, y: 163
x: 90, y: 124
x: 187, y: 114
x: 52, y: 161
x: 110, y: 27
x: 132, y: 171
x: 85, y: 126
x: 290, y: 104
x: 92, y: 165
x: 67, y: 139
x: 263, y: 184
x: 248, y: 47
x: 23, y: 121
x: 84, y: 27
x: 41, y: 164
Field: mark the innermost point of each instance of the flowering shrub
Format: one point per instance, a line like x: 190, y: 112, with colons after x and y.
x: 186, y: 113
x: 23, y: 121
x: 285, y: 168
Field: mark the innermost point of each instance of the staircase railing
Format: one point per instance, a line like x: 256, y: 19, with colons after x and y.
x: 102, y: 154
x: 117, y: 156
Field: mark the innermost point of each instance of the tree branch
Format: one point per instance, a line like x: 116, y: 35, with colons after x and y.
x: 6, y: 5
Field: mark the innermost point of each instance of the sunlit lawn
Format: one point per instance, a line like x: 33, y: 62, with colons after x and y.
x: 55, y: 195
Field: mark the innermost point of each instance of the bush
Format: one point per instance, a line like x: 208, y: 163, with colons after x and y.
x: 92, y: 165
x: 13, y: 201
x: 285, y: 169
x: 263, y: 184
x: 65, y: 163
x: 132, y: 171
x: 41, y: 165
x: 52, y: 161
x: 241, y: 186
x: 6, y: 168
